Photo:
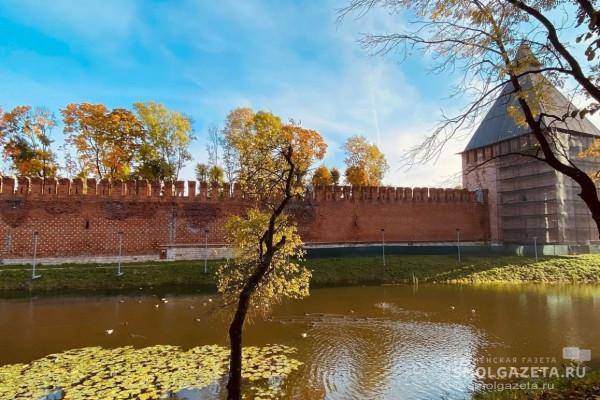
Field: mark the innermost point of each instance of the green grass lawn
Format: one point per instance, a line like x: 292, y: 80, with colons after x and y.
x: 189, y: 276
x: 102, y: 278
x: 401, y: 269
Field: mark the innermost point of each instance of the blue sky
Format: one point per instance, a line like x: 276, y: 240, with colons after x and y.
x: 205, y: 58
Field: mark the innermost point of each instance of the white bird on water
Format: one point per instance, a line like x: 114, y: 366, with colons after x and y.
x: 473, y: 311
x: 304, y: 335
x: 109, y: 331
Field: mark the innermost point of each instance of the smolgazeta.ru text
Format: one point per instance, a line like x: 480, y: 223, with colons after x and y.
x: 528, y: 372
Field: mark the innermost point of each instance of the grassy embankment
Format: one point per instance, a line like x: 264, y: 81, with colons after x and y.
x: 189, y: 275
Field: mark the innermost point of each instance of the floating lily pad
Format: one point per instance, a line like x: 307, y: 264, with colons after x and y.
x: 148, y: 373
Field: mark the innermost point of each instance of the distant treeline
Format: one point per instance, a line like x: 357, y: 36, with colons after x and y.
x: 149, y: 141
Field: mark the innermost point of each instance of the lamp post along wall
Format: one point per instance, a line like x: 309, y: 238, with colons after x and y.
x: 383, y: 245
x: 119, y: 272
x: 205, y: 251
x: 458, y: 244
x: 35, y: 245
x: 9, y: 243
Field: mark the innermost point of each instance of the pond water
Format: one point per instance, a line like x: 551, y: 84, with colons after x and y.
x: 387, y: 342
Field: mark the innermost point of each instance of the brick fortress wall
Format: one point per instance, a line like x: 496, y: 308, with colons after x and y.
x: 73, y: 219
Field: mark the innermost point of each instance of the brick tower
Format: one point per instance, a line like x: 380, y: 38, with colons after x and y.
x: 528, y: 198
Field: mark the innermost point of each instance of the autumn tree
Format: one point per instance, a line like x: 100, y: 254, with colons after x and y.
x: 356, y: 176
x: 335, y: 176
x: 365, y: 163
x: 584, y: 17
x: 586, y: 20
x: 214, y: 144
x: 106, y: 141
x: 73, y: 166
x: 26, y: 142
x: 322, y: 177
x: 165, y: 148
x: 229, y: 160
x: 272, y: 158
x: 593, y: 152
x: 201, y: 171
x: 216, y: 175
x: 491, y: 44
x: 235, y: 123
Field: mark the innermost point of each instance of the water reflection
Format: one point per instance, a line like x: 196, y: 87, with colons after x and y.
x: 390, y: 342
x: 379, y: 359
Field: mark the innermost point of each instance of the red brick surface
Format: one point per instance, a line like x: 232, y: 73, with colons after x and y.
x: 73, y: 219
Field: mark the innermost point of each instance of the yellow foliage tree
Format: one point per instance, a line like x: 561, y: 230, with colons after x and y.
x: 335, y: 176
x: 272, y: 158
x: 322, y: 177
x: 365, y: 163
x: 106, y: 141
x: 357, y: 176
x: 201, y: 172
x: 235, y: 123
x: 593, y: 151
x: 216, y: 175
x: 168, y: 136
x: 25, y: 139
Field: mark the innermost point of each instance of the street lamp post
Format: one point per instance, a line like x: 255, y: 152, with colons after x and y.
x: 383, y: 245
x: 35, y: 244
x: 119, y: 272
x: 205, y: 251
x: 458, y: 243
x: 535, y: 248
x: 9, y: 243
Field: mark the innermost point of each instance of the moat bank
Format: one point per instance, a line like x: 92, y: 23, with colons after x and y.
x: 190, y: 276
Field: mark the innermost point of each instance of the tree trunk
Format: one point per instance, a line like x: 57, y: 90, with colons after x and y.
x: 234, y: 385
x: 589, y: 195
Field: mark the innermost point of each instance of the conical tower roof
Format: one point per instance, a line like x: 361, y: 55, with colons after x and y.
x: 498, y: 125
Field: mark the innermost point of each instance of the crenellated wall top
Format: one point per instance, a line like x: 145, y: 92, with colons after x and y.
x: 192, y: 190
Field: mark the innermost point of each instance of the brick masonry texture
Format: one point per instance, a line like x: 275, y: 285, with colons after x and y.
x: 77, y: 218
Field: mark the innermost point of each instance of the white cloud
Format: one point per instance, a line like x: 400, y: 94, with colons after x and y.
x: 370, y: 96
x: 313, y: 72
